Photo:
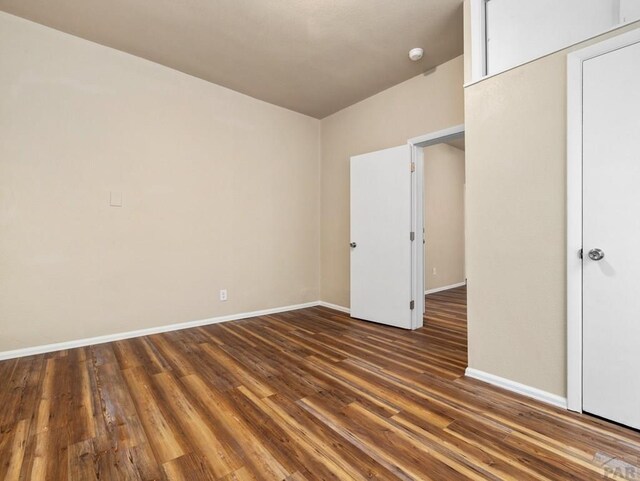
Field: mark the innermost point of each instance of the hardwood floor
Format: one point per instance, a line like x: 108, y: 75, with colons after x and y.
x: 304, y: 395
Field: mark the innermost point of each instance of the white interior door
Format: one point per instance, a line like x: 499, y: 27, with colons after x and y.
x: 381, y: 246
x: 611, y: 223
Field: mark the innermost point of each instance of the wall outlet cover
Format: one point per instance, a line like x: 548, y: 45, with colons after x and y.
x: 115, y: 199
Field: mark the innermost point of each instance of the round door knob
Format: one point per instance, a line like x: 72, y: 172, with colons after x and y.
x: 596, y: 254
x: 353, y: 245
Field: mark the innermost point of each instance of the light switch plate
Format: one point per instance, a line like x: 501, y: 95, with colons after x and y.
x: 115, y: 199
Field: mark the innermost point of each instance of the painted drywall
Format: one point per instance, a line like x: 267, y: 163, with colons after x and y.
x: 443, y: 215
x: 423, y: 104
x: 516, y: 222
x: 219, y: 191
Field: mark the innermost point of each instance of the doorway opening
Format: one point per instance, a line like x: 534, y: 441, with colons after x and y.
x: 441, y: 161
x: 387, y: 228
x: 444, y: 216
x: 444, y: 234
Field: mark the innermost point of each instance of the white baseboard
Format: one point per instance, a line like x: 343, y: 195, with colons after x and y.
x: 445, y: 288
x: 334, y: 307
x: 59, y: 346
x: 516, y: 387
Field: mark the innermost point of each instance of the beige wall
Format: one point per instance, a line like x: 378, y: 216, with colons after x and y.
x: 220, y: 191
x: 516, y: 223
x: 444, y: 215
x: 423, y: 104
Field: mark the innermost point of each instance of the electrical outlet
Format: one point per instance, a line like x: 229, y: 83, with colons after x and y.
x: 223, y: 294
x: 435, y: 272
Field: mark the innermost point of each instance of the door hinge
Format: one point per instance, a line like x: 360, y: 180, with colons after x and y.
x: 412, y: 236
x: 412, y: 305
x: 413, y: 166
x: 580, y: 253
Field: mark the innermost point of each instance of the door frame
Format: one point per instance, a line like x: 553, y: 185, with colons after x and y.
x: 417, y: 214
x: 574, y: 206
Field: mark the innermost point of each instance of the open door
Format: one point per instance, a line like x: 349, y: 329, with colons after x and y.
x: 383, y: 242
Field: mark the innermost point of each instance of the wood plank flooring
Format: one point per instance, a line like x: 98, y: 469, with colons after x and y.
x: 304, y: 395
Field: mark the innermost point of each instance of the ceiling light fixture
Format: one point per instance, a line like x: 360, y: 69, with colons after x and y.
x: 416, y: 54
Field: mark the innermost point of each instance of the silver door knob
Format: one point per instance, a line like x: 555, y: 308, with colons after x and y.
x: 596, y: 254
x: 353, y: 245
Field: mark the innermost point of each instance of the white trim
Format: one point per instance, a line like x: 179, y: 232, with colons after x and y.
x: 335, y: 307
x: 574, y: 206
x: 478, y: 40
x: 417, y: 246
x: 532, y: 392
x: 445, y: 288
x: 438, y: 137
x: 574, y: 232
x: 59, y: 346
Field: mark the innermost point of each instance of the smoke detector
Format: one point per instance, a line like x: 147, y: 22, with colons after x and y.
x: 416, y: 54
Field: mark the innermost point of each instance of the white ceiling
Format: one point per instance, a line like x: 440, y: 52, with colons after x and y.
x: 311, y: 56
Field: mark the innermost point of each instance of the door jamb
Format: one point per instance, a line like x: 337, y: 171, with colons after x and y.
x: 417, y: 213
x: 575, y: 62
